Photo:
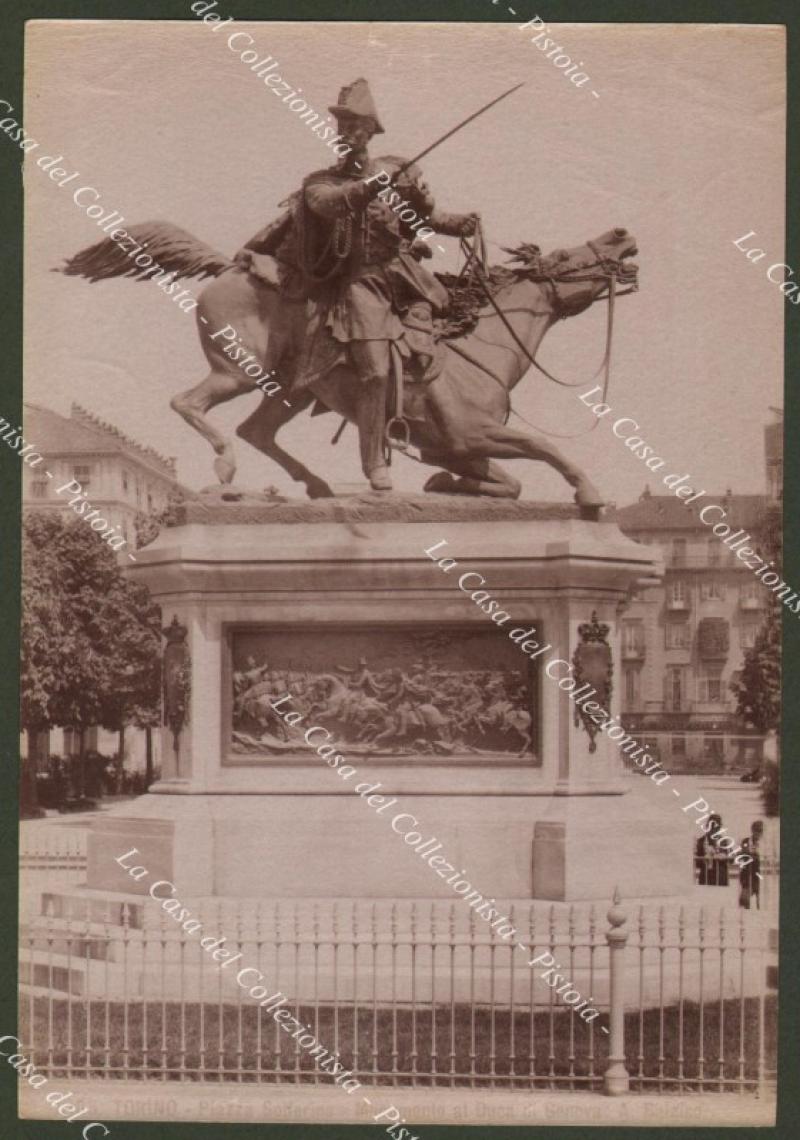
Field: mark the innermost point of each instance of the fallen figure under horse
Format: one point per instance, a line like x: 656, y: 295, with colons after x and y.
x: 457, y: 421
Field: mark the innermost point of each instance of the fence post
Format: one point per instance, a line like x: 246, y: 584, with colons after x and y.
x: 616, y: 1080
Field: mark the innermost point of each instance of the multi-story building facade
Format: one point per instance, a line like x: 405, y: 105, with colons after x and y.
x: 120, y: 477
x: 684, y: 640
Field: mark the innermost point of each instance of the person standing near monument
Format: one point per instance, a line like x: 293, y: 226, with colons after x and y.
x: 750, y: 876
x: 711, y: 860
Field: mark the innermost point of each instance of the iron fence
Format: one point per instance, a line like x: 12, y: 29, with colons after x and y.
x: 405, y: 993
x: 53, y: 849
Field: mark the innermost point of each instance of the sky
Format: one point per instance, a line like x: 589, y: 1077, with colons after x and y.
x: 684, y: 146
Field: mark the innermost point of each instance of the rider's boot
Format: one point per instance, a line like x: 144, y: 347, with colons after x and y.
x: 418, y: 325
x: 371, y: 427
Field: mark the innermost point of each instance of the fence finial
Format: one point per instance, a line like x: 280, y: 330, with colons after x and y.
x: 616, y: 915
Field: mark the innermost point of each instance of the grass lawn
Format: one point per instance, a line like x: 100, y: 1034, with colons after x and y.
x: 461, y: 1047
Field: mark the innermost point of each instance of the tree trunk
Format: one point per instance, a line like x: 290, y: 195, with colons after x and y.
x: 148, y: 758
x: 28, y: 797
x: 82, y: 763
x: 120, y: 759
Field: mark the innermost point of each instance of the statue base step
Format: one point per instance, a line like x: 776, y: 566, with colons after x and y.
x: 553, y: 846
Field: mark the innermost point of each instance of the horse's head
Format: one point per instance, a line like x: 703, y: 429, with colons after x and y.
x: 579, y: 276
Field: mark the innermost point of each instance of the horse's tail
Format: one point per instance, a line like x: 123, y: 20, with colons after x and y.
x: 172, y: 250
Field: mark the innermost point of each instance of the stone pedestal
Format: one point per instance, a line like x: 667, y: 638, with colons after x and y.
x: 558, y: 824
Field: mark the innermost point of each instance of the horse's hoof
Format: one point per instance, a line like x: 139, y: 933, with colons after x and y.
x: 587, y: 495
x: 224, y: 468
x: 318, y: 489
x: 442, y: 483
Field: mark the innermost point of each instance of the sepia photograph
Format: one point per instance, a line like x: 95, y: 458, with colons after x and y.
x: 402, y: 570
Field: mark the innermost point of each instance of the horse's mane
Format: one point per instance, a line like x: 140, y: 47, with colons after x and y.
x: 467, y: 296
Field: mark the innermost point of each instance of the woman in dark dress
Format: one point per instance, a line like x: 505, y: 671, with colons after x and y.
x: 749, y: 877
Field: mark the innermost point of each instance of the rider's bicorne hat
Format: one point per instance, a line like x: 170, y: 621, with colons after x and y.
x: 356, y: 99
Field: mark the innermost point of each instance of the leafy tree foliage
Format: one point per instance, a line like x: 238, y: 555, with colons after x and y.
x: 90, y: 638
x: 758, y: 688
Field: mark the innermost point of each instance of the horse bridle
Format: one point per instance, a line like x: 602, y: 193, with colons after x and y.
x: 609, y: 269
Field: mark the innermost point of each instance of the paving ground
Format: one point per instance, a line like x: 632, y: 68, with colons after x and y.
x: 118, y: 1100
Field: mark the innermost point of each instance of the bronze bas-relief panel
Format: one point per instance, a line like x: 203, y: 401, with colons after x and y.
x: 385, y: 694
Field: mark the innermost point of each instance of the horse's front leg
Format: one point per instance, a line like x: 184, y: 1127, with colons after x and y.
x: 477, y: 477
x: 500, y: 442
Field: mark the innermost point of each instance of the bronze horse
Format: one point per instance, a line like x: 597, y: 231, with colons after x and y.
x: 464, y: 427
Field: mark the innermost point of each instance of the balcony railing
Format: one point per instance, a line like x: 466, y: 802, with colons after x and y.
x: 678, y: 604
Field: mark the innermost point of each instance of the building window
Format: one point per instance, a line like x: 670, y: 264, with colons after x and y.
x: 748, y: 634
x: 679, y: 552
x: 125, y: 482
x: 712, y: 589
x: 712, y: 748
x: 39, y: 489
x: 678, y: 594
x: 83, y: 475
x: 677, y: 746
x: 651, y: 747
x: 71, y: 741
x: 677, y: 635
x: 675, y: 688
x: 632, y: 688
x: 714, y: 552
x: 709, y: 687
x: 150, y: 502
x: 751, y: 594
x: 632, y: 639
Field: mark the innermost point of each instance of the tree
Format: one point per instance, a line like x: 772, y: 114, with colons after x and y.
x: 137, y: 687
x: 40, y: 632
x: 758, y: 687
x: 90, y: 638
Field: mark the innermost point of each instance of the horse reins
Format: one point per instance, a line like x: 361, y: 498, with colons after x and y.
x: 611, y: 274
x: 549, y: 278
x: 476, y: 263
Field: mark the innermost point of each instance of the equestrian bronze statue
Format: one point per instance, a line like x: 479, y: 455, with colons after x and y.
x: 333, y: 300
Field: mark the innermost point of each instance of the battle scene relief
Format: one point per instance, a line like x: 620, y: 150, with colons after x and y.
x: 382, y: 692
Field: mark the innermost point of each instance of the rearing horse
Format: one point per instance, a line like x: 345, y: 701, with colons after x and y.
x: 464, y: 426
